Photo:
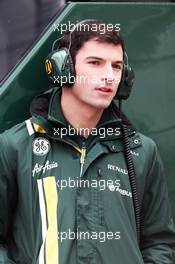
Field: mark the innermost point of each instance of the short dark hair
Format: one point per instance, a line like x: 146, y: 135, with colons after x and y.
x: 87, y: 30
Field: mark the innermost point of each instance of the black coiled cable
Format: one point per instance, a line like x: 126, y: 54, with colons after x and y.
x: 131, y: 174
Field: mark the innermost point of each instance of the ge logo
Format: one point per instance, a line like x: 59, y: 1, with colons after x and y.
x: 41, y: 146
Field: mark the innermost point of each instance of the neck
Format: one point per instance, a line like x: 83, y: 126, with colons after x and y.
x: 79, y: 114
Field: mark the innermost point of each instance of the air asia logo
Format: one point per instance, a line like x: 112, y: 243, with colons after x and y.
x: 41, y: 146
x: 43, y: 168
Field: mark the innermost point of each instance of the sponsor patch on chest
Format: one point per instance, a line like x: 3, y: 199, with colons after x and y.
x: 41, y: 146
x: 117, y: 168
x: 45, y: 167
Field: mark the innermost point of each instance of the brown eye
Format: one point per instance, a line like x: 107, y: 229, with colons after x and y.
x: 117, y: 66
x: 94, y: 62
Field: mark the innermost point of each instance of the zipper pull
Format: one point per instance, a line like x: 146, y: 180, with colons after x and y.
x: 82, y: 157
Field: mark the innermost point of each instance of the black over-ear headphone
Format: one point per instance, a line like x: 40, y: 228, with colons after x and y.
x: 61, y: 70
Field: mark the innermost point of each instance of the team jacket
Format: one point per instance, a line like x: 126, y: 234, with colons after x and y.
x: 65, y: 199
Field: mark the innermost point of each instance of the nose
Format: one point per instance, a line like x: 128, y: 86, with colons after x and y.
x: 108, y: 75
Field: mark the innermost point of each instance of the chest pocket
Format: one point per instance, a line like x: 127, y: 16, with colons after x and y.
x: 115, y: 165
x: 114, y: 189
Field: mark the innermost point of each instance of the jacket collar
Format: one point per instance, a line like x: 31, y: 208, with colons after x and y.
x: 46, y: 111
x: 55, y: 113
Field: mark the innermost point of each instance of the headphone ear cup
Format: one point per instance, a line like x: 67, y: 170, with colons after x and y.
x: 126, y: 82
x: 60, y: 67
x: 68, y: 68
x: 129, y: 77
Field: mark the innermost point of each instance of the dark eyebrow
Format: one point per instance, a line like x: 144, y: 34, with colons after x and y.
x: 100, y: 59
x: 93, y: 57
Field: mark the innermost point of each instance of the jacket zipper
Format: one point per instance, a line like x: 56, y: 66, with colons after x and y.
x: 83, y: 152
x: 82, y: 157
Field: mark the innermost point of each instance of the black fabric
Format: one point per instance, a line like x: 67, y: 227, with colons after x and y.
x: 40, y: 105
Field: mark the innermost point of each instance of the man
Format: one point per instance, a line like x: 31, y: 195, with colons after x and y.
x: 67, y: 194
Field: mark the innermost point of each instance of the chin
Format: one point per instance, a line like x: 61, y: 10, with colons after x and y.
x: 101, y: 105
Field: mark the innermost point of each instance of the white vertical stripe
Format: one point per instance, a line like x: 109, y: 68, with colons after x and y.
x: 29, y: 127
x: 41, y: 255
x: 43, y: 219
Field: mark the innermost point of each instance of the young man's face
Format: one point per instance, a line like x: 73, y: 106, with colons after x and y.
x: 98, y: 73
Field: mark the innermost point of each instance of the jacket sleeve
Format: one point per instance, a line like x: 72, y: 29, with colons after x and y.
x: 8, y: 196
x: 157, y: 232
